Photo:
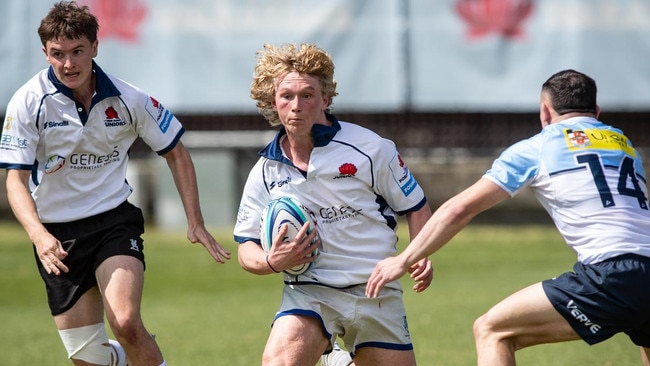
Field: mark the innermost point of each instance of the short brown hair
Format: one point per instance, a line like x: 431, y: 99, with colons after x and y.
x: 68, y: 20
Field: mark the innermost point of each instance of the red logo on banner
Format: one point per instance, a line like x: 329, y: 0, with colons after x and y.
x: 118, y: 18
x: 503, y: 17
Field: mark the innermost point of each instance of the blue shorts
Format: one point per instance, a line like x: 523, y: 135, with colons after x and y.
x: 89, y: 242
x: 606, y: 298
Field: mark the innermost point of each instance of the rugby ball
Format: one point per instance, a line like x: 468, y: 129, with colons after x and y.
x: 284, y: 211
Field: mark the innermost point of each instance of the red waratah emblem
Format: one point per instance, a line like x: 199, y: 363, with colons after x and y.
x: 154, y: 102
x: 348, y: 169
x: 111, y: 113
x: 401, y: 162
x: 503, y: 17
x: 118, y: 18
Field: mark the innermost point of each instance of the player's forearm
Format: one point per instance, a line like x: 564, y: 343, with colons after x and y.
x: 184, y: 174
x: 442, y: 226
x: 23, y: 206
x: 252, y: 260
x: 417, y: 219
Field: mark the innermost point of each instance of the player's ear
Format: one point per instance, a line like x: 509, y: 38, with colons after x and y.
x: 326, y: 102
x: 545, y: 114
x: 597, y: 110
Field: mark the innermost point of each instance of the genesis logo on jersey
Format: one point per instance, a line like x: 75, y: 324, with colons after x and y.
x: 54, y: 163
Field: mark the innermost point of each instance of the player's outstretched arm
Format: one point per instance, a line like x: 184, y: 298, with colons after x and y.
x: 182, y: 168
x: 446, y: 222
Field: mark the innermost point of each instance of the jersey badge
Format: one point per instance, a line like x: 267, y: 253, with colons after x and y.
x: 346, y: 170
x: 112, y: 118
x: 8, y: 121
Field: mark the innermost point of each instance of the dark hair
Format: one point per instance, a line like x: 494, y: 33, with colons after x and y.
x: 571, y: 91
x: 68, y: 20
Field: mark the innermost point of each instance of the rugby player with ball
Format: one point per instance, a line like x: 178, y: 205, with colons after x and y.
x: 353, y: 184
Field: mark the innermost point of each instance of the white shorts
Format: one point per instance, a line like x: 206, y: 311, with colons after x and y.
x: 347, y: 313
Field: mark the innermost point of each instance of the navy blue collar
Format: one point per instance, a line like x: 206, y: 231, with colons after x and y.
x: 322, y: 135
x: 104, y: 87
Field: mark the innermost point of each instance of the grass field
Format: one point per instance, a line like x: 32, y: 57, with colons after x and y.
x: 204, y: 313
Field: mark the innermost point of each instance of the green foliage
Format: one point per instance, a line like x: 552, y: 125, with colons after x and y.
x: 204, y: 313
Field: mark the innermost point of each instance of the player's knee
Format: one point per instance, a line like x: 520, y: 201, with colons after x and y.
x: 88, y: 343
x: 479, y: 326
x: 483, y: 329
x: 126, y: 328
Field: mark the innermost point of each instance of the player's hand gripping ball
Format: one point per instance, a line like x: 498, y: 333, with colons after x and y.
x: 281, y: 211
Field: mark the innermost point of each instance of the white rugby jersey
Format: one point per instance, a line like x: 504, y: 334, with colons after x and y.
x: 355, y: 187
x: 591, y: 181
x: 78, y: 158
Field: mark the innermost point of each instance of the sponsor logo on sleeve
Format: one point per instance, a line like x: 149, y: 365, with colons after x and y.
x: 160, y: 114
x: 402, y: 175
x: 12, y: 143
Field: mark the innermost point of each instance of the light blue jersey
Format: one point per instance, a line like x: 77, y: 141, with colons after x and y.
x: 355, y: 187
x: 591, y: 181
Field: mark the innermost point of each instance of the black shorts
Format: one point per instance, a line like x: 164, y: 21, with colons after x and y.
x: 602, y: 299
x: 89, y: 242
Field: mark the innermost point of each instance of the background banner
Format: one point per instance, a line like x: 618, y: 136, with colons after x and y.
x: 197, y: 56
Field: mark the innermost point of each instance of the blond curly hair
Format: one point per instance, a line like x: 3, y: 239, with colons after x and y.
x: 275, y: 62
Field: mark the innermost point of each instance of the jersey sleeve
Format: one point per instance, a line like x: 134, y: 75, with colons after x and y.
x: 19, y: 134
x: 254, y: 198
x: 155, y: 124
x: 517, y: 166
x: 395, y: 181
